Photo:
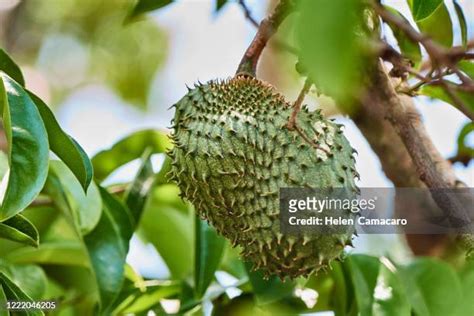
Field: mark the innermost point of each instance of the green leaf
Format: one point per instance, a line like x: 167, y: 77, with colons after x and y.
x: 464, y: 149
x: 86, y: 207
x: 19, y: 229
x: 438, y: 92
x: 422, y: 9
x: 364, y: 271
x: 209, y: 247
x: 30, y: 278
x: 3, y: 302
x: 466, y: 275
x: 219, y: 5
x: 163, y: 218
x: 64, y: 146
x: 332, y: 62
x: 137, y: 193
x: 28, y: 148
x: 409, y: 49
x: 8, y: 66
x: 144, y: 6
x: 438, y: 26
x: 462, y: 22
x: 340, y: 296
x: 61, y: 252
x: 433, y: 287
x: 128, y: 149
x: 14, y: 293
x: 268, y: 291
x: 390, y: 298
x: 107, y: 246
x: 467, y: 67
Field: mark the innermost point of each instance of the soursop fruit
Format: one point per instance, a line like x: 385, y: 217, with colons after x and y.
x: 233, y: 152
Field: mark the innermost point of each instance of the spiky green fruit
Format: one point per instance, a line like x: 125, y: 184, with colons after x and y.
x: 232, y: 154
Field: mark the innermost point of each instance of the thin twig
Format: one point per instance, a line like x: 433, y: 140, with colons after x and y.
x: 456, y: 99
x: 297, y: 105
x: 266, y: 29
x: 248, y: 13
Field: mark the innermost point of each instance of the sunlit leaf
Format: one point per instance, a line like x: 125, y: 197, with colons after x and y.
x: 107, y: 246
x: 438, y: 26
x: 86, y: 207
x: 8, y: 66
x: 64, y: 146
x: 163, y: 218
x: 19, y: 229
x: 137, y: 192
x: 332, y: 62
x: 30, y: 278
x: 208, y: 254
x: 127, y: 149
x: 268, y: 291
x: 462, y: 21
x: 63, y: 252
x: 439, y: 92
x: 28, y: 148
x: 433, y: 286
x: 409, y: 49
x: 14, y: 293
x: 422, y: 9
x: 144, y: 6
x: 467, y: 67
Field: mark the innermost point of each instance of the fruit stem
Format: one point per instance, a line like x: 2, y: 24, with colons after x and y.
x: 266, y: 29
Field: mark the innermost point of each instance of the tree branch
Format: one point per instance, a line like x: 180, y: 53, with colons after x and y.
x: 431, y: 167
x: 266, y: 29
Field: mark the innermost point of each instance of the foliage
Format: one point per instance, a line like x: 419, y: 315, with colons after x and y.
x: 65, y: 234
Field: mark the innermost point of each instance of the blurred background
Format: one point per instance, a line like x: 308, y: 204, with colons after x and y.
x: 106, y: 78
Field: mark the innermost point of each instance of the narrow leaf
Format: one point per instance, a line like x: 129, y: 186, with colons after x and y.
x: 14, y: 293
x: 28, y: 148
x: 409, y: 49
x: 144, y: 6
x: 64, y: 252
x: 462, y: 22
x: 3, y: 302
x: 8, y: 66
x: 19, y: 229
x: 209, y: 247
x: 364, y: 271
x: 64, y: 146
x: 137, y: 193
x: 107, y: 246
x: 128, y: 149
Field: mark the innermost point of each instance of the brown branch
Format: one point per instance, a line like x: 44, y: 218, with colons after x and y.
x: 431, y: 167
x: 266, y: 29
x: 456, y: 99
